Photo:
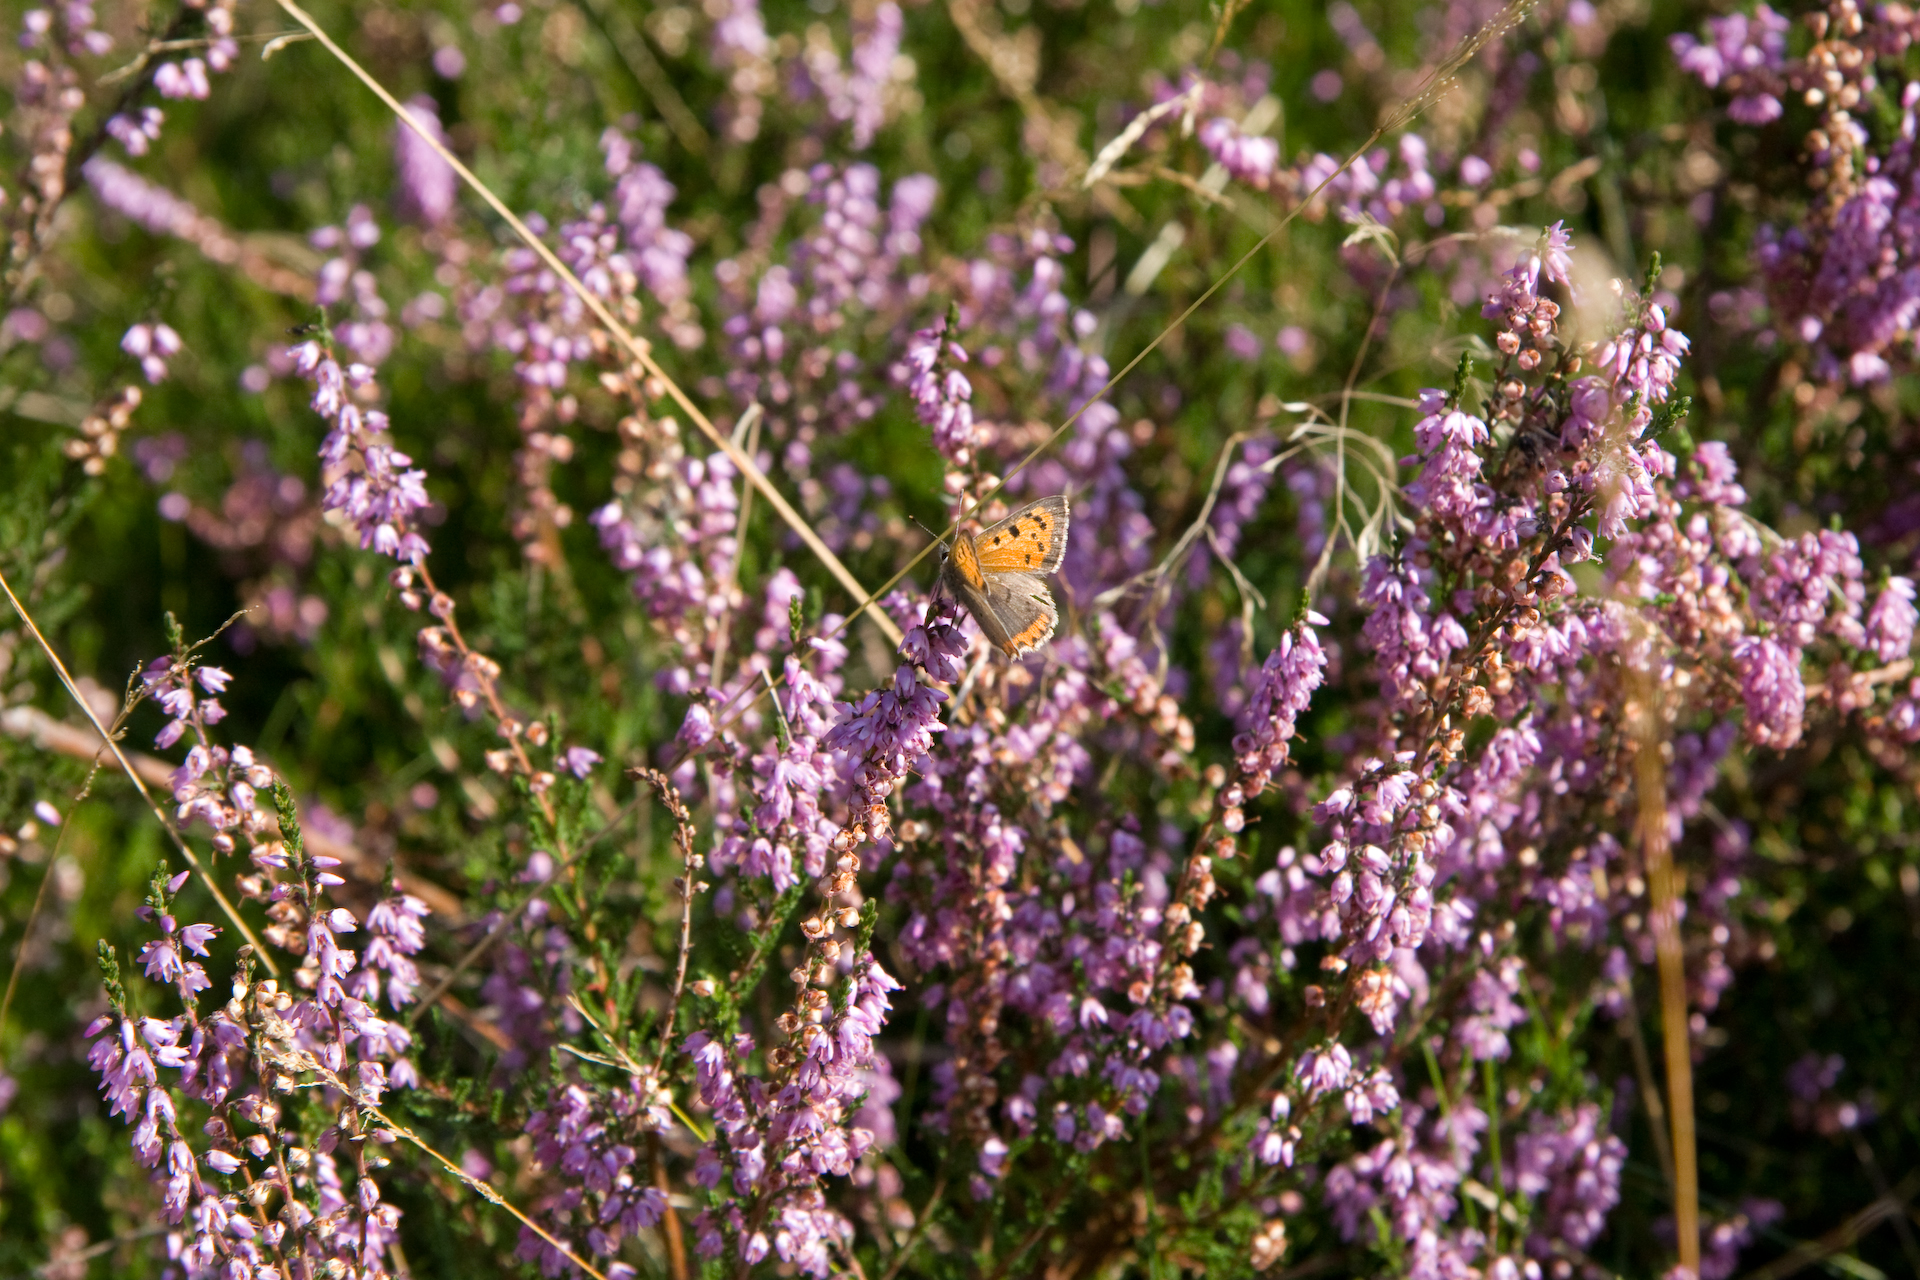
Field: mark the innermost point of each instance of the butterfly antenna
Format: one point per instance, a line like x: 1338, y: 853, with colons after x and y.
x: 930, y: 533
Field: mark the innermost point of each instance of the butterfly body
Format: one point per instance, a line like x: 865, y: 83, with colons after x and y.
x: 997, y: 574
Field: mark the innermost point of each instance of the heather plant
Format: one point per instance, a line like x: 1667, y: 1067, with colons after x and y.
x: 495, y: 785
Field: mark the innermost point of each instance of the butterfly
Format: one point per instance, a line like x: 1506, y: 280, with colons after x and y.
x: 996, y: 575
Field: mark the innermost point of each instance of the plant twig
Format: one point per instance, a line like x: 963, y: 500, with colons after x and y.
x: 920, y: 1224
x: 1908, y: 1245
x: 1810, y: 1252
x: 179, y: 842
x: 683, y: 836
x: 65, y: 1261
x: 1160, y: 571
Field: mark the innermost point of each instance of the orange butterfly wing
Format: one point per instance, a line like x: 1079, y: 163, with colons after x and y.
x: 1031, y: 540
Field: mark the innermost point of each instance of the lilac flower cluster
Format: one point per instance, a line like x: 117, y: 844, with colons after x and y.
x: 171, y: 684
x: 1372, y: 187
x: 1249, y: 159
x: 1837, y: 280
x: 810, y: 1115
x: 153, y: 345
x: 789, y: 324
x: 428, y: 185
x: 258, y: 1193
x: 188, y: 77
x: 1423, y: 835
x: 373, y: 485
x: 160, y: 211
x: 941, y: 394
x: 777, y: 1137
x: 1098, y: 957
x: 659, y: 252
x: 365, y: 333
x: 858, y: 94
x: 586, y: 1135
x: 683, y: 582
x: 1744, y: 55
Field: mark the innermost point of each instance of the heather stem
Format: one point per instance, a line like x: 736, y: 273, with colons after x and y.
x: 683, y: 836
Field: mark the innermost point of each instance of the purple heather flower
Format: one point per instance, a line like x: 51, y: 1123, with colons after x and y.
x: 429, y: 187
x: 1891, y: 622
x: 1280, y: 691
x: 152, y: 345
x: 1247, y: 158
x: 941, y: 393
x: 372, y: 484
x: 1748, y: 54
x: 876, y: 44
x: 641, y: 195
x: 1241, y: 342
x: 579, y: 761
x: 187, y: 79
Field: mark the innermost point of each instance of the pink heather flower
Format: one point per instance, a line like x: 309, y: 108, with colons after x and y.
x: 1247, y: 158
x: 876, y: 44
x: 1324, y: 1070
x: 1891, y: 622
x: 579, y: 761
x: 186, y: 79
x: 1241, y: 342
x: 941, y: 393
x: 1569, y: 1167
x: 137, y: 133
x: 429, y: 187
x: 641, y: 195
x: 1279, y: 693
x: 1775, y: 694
x: 152, y: 345
x: 1372, y: 1096
x: 383, y: 496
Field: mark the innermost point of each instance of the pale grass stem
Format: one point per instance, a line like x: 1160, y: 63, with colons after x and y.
x: 1664, y: 887
x: 179, y: 842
